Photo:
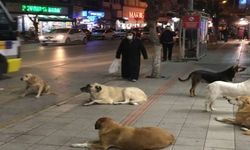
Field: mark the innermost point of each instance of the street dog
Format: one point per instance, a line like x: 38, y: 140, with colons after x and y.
x: 102, y: 94
x: 209, y: 77
x: 221, y: 88
x: 113, y: 134
x: 35, y: 84
x: 242, y: 116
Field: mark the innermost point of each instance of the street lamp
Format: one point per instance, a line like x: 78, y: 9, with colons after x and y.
x: 224, y: 1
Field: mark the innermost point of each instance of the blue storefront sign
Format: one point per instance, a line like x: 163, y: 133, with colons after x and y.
x: 92, y: 15
x: 242, y: 2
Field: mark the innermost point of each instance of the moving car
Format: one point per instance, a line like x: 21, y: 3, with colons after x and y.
x: 63, y: 36
x: 88, y: 33
x: 102, y: 34
x: 120, y: 34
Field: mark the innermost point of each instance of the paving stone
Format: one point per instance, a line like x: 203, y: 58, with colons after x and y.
x: 43, y: 147
x: 27, y: 139
x: 187, y: 147
x: 243, y: 145
x: 42, y: 131
x: 222, y: 134
x: 190, y: 141
x: 15, y: 146
x: 220, y: 143
x: 210, y: 148
x: 6, y: 137
x: 54, y: 140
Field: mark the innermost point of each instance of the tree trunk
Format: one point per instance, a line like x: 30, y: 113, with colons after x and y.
x: 156, y: 64
x: 152, y: 13
x: 35, y: 24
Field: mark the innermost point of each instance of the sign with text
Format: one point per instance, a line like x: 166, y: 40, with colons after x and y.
x: 133, y: 14
x: 191, y: 22
x: 44, y: 9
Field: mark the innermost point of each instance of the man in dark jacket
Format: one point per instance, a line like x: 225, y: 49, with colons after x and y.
x: 167, y: 41
x: 131, y: 49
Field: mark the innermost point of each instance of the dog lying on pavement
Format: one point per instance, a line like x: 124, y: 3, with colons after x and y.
x: 112, y: 134
x: 36, y: 84
x: 221, y: 88
x: 102, y: 94
x: 242, y: 116
x: 209, y: 77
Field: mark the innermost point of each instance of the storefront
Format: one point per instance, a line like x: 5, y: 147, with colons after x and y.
x: 132, y: 18
x: 90, y: 19
x: 49, y: 17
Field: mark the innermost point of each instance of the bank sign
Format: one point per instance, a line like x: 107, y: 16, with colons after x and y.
x: 44, y: 9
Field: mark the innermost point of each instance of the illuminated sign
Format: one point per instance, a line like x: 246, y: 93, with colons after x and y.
x: 41, y: 9
x: 136, y: 15
x: 242, y: 2
x: 93, y: 15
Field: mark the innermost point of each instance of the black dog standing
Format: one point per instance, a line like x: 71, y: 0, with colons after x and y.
x: 209, y: 77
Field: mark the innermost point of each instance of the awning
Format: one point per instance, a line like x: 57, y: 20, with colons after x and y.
x: 55, y: 19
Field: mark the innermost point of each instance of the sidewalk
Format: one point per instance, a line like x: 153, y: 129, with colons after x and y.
x: 169, y: 107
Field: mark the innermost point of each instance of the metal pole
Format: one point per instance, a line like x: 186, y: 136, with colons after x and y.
x: 191, y: 5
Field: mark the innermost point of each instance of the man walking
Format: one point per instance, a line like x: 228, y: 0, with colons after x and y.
x: 167, y: 42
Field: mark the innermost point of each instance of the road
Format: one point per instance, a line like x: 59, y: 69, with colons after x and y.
x: 66, y: 68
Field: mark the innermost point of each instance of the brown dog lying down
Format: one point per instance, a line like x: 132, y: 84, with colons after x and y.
x: 242, y: 117
x: 36, y: 84
x: 209, y: 77
x: 112, y: 134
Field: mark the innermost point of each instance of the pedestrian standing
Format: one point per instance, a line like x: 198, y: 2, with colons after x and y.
x: 225, y: 33
x: 245, y: 36
x: 167, y: 42
x: 131, y: 49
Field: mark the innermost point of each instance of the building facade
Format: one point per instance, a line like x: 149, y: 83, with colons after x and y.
x: 48, y: 13
x: 124, y: 14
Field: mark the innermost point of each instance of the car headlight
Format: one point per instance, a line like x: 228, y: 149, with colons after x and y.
x: 59, y: 37
x: 41, y: 37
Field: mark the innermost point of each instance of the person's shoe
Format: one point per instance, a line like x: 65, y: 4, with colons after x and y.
x: 133, y: 80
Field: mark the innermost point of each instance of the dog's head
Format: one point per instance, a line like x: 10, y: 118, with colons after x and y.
x: 238, y: 68
x: 240, y: 101
x: 103, y: 122
x: 27, y: 77
x: 243, y: 101
x: 92, y: 88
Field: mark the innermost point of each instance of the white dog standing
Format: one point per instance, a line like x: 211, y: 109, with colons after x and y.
x: 221, y: 88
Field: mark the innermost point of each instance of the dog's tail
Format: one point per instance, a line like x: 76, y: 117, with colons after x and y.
x: 79, y: 145
x: 246, y: 131
x: 53, y: 93
x: 182, y: 80
x: 173, y: 139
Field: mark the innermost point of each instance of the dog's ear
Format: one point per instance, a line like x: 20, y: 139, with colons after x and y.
x: 241, y: 68
x: 99, y: 123
x: 32, y: 79
x: 98, y: 88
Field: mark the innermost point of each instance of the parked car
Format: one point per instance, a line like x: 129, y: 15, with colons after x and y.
x: 63, y: 36
x: 88, y: 33
x: 120, y: 33
x: 102, y: 34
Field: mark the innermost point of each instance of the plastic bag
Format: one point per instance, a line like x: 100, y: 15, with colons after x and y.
x: 115, y: 66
